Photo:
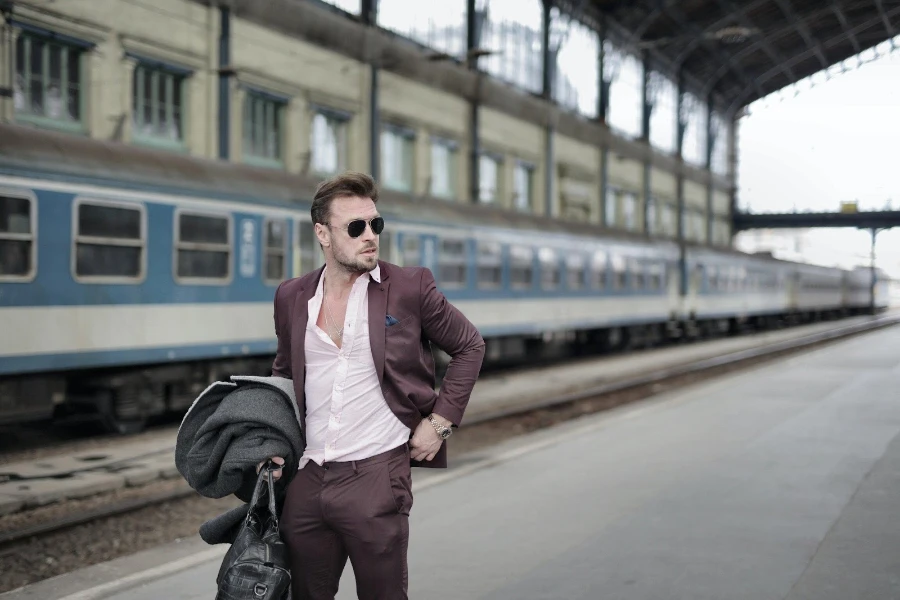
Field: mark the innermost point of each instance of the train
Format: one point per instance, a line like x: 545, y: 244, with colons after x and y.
x: 130, y: 278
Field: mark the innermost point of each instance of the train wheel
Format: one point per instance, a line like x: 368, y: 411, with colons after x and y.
x: 123, y: 410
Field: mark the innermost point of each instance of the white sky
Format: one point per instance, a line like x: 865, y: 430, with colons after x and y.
x: 836, y: 141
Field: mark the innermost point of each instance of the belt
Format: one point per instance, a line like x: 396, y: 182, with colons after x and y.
x: 355, y: 464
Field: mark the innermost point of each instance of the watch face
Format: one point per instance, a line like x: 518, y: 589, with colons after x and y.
x: 446, y: 433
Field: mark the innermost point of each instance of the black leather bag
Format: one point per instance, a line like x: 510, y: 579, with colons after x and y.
x: 256, y: 566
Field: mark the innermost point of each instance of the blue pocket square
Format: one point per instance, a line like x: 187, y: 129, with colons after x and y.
x: 389, y: 320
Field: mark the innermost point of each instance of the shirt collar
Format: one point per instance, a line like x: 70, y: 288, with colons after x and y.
x: 374, y: 274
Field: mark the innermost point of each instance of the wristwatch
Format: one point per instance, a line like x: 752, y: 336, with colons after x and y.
x: 444, y: 432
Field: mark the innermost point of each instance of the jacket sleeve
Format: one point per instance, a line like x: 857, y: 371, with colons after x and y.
x: 282, y: 365
x: 453, y: 333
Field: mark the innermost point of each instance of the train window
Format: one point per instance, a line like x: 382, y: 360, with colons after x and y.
x: 638, y: 276
x: 109, y: 241
x: 276, y: 250
x: 308, y: 247
x: 620, y: 275
x: 410, y: 253
x: 712, y: 279
x: 452, y: 269
x: 17, y: 229
x: 550, y: 275
x: 598, y: 270
x: 575, y: 275
x: 521, y: 267
x: 489, y: 265
x: 203, y: 244
x: 655, y: 276
x: 386, y: 246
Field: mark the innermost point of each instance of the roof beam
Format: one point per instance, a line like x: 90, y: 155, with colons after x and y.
x: 776, y: 58
x: 803, y: 30
x: 774, y: 36
x: 697, y: 39
x: 887, y: 22
x: 836, y: 7
x: 736, y: 103
x: 724, y: 57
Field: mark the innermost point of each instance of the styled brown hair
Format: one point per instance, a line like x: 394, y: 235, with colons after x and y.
x: 346, y: 184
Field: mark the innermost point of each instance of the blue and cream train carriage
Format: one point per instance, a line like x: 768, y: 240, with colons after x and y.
x: 130, y: 278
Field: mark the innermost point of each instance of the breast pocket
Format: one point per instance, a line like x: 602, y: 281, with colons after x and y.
x: 397, y: 325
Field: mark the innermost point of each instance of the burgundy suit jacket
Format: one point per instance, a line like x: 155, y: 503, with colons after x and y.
x: 402, y: 351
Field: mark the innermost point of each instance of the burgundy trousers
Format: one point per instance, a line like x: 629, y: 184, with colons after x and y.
x: 357, y: 509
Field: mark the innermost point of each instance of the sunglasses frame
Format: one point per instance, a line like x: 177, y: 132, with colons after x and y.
x: 363, y: 230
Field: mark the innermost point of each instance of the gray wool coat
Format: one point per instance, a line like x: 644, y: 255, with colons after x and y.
x: 229, y: 429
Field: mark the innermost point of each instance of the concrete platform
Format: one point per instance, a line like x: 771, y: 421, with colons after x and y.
x: 778, y: 483
x: 136, y: 463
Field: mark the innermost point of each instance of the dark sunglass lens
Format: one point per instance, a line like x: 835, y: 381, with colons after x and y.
x: 355, y: 228
x: 377, y: 225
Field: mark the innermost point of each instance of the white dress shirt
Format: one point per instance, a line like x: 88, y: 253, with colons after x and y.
x: 347, y: 417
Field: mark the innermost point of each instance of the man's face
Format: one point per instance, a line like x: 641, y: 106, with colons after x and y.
x: 355, y: 255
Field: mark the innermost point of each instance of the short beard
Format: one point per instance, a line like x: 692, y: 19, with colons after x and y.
x: 356, y: 265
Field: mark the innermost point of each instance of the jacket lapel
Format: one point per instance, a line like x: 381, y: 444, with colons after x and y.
x: 378, y: 295
x: 298, y: 341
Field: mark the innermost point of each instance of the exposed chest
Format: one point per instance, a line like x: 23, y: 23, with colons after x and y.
x: 332, y: 318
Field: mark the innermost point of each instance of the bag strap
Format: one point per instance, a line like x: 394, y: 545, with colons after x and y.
x: 272, y: 508
x: 261, y: 487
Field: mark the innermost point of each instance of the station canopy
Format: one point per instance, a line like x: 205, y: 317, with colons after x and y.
x: 743, y: 50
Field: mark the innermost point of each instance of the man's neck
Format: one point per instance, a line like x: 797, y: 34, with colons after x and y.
x: 339, y: 281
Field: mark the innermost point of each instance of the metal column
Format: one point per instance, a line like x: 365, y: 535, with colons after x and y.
x: 602, y: 104
x: 873, y: 276
x: 710, y: 141
x: 548, y: 64
x: 646, y: 114
x: 225, y: 73
x: 681, y: 126
x: 473, y: 34
x: 369, y: 14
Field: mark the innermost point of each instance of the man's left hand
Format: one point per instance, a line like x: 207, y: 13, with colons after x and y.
x: 425, y: 441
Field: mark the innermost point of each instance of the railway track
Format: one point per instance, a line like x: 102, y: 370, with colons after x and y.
x: 490, y: 427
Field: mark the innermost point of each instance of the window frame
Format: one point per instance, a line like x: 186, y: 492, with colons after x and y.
x: 405, y: 250
x: 579, y: 262
x: 180, y: 78
x: 529, y: 169
x: 177, y: 245
x: 298, y: 249
x: 408, y: 135
x: 456, y: 260
x: 81, y: 47
x: 490, y: 261
x: 452, y: 147
x: 267, y: 249
x: 279, y: 106
x: 514, y: 263
x: 598, y: 270
x: 498, y: 161
x: 549, y: 261
x: 330, y: 114
x: 76, y: 239
x: 30, y: 237
x: 611, y: 201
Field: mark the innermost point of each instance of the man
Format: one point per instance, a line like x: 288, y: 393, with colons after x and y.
x: 354, y: 337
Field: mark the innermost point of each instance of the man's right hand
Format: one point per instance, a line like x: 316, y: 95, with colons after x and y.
x: 276, y: 475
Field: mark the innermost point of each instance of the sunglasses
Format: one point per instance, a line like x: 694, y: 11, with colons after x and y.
x: 356, y: 228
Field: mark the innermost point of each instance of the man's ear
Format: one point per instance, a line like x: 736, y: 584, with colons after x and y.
x: 322, y: 234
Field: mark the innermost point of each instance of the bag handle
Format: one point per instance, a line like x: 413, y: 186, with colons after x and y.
x: 266, y: 472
